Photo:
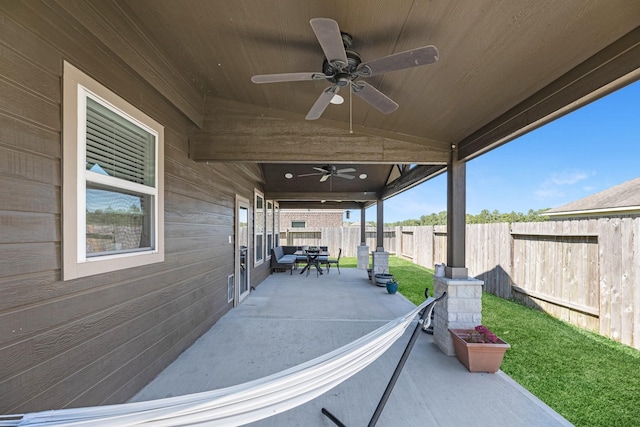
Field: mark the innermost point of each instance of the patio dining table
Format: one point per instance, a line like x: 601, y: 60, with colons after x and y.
x: 313, y: 259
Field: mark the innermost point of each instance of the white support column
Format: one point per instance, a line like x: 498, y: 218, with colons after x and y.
x: 461, y: 309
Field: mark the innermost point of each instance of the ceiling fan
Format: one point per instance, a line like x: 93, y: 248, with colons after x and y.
x: 343, y: 66
x: 329, y: 171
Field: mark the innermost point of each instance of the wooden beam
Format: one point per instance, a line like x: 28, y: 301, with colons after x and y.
x: 380, y: 225
x: 610, y: 69
x: 310, y: 196
x: 319, y: 205
x: 557, y: 301
x: 247, y: 133
x: 456, y: 218
x: 410, y: 178
x: 363, y: 227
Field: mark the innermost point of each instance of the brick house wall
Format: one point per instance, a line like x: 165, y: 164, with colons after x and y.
x: 292, y: 219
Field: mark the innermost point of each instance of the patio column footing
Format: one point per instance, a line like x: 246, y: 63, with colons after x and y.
x: 461, y: 309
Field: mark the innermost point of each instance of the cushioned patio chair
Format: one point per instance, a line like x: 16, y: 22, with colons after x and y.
x: 281, y: 261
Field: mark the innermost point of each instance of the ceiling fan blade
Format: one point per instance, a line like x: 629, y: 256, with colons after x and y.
x: 329, y: 37
x: 346, y: 170
x: 287, y: 77
x: 373, y: 96
x: 310, y: 174
x: 322, y: 102
x: 321, y: 169
x: 399, y: 61
x: 325, y: 177
x: 341, y: 175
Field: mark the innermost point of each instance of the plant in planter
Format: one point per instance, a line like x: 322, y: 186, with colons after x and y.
x: 479, y: 349
x: 392, y: 287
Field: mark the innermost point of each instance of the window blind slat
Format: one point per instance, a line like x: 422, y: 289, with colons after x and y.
x: 118, y: 147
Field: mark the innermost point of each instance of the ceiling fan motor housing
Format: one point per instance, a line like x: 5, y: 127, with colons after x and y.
x: 341, y: 76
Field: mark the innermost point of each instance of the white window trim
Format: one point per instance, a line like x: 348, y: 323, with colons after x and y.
x: 77, y: 86
x: 256, y: 261
x: 269, y: 228
x: 276, y: 221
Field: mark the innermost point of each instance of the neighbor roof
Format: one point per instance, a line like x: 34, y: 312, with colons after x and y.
x: 620, y: 199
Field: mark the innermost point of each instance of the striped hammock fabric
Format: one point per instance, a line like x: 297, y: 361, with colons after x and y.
x: 239, y: 404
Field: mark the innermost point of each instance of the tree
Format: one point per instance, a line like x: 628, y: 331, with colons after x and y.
x: 484, y: 217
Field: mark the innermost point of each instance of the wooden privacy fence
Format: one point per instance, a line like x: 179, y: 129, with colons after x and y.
x: 585, y: 272
x: 347, y: 238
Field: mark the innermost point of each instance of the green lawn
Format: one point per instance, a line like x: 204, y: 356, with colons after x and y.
x: 590, y: 380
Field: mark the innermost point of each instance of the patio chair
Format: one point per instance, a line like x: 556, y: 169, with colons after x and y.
x: 334, y: 261
x: 301, y: 259
x: 313, y: 261
x: 323, y: 259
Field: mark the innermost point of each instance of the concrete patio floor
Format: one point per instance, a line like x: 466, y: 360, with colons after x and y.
x: 290, y: 319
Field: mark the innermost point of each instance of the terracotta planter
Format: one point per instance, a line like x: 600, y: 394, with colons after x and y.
x: 478, y: 357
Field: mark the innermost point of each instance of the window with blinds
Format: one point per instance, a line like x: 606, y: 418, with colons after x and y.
x: 259, y: 227
x: 269, y: 217
x: 113, y: 180
x: 120, y: 183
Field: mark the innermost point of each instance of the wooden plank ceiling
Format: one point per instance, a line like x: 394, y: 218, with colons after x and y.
x: 504, y: 68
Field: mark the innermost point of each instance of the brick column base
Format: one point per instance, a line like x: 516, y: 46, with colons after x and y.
x: 461, y: 309
x: 363, y: 257
x: 380, y: 264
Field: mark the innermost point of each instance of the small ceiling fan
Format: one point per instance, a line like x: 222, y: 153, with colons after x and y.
x: 329, y: 171
x: 343, y: 66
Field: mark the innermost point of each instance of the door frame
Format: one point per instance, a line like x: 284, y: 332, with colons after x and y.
x: 241, y: 202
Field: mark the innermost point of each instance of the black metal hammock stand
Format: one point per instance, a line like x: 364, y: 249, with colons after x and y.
x: 425, y: 316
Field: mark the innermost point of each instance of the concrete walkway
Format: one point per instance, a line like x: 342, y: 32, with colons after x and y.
x: 290, y: 319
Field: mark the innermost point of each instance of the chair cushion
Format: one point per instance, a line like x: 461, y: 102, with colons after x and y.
x: 286, y: 259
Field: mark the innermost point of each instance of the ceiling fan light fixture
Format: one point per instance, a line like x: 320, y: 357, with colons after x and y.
x: 337, y: 99
x: 288, y: 175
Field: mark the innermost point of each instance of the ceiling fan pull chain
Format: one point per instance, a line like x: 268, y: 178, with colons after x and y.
x: 350, y: 107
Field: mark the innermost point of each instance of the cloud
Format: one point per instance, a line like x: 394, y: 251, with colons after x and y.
x: 548, y: 193
x: 567, y: 178
x: 554, y: 186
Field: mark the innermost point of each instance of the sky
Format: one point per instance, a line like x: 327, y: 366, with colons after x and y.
x: 577, y: 155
